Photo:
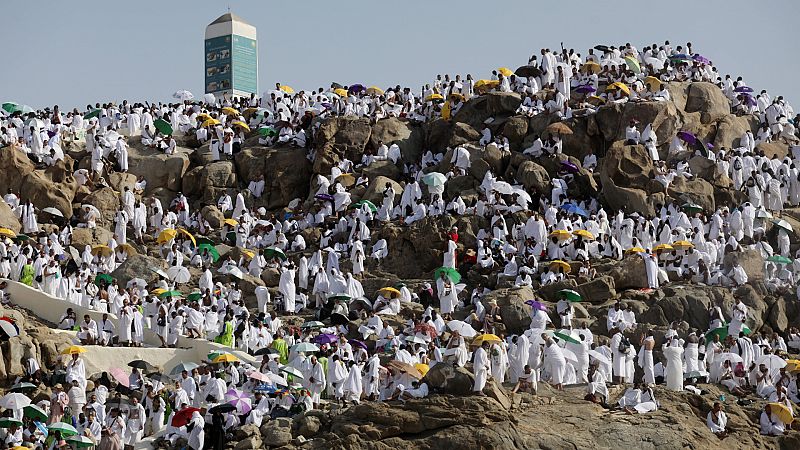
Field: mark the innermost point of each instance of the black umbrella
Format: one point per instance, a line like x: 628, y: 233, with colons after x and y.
x: 141, y: 365
x: 159, y: 377
x: 602, y: 48
x: 339, y: 319
x: 222, y: 408
x: 528, y: 71
x: 265, y: 351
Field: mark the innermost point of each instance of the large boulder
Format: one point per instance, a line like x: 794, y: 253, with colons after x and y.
x: 286, y: 172
x: 409, y: 137
x: 82, y: 237
x: 627, y: 166
x: 461, y: 134
x: 158, y: 169
x: 533, y: 176
x: 515, y: 130
x: 138, y: 266
x: 697, y: 191
x: 107, y: 202
x: 730, y: 129
x: 708, y: 100
x: 612, y: 120
x: 750, y: 260
x: 687, y: 303
x: 502, y: 103
x: 339, y: 137
x: 374, y: 192
x: 450, y: 380
x: 386, y: 169
x: 629, y: 199
x: 51, y: 187
x: 120, y: 180
x: 213, y: 215
x: 515, y: 313
x: 627, y: 274
x: 8, y: 219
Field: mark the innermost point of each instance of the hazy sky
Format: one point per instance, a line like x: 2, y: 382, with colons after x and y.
x: 73, y: 53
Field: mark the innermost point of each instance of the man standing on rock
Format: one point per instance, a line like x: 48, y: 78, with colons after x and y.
x: 480, y: 366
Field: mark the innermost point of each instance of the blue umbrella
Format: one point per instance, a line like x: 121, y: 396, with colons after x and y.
x: 585, y: 89
x: 574, y: 209
x: 266, y: 388
x: 743, y: 89
x: 688, y: 137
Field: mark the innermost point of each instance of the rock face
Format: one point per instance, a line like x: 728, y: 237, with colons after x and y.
x: 138, y: 266
x: 515, y: 313
x: 286, y: 173
x: 708, y: 100
x: 54, y: 186
x: 340, y: 137
x: 158, y: 169
x: 8, y: 219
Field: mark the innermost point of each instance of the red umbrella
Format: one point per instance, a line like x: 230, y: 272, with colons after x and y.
x: 183, y: 416
x: 120, y: 376
x: 426, y: 329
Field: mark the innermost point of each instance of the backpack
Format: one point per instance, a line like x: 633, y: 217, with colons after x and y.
x: 739, y: 370
x: 624, y: 345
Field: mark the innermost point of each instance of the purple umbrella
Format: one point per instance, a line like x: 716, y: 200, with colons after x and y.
x: 585, y: 89
x: 325, y: 339
x: 327, y: 197
x: 743, y: 89
x: 536, y: 305
x: 356, y: 88
x: 356, y: 343
x: 710, y: 146
x: 688, y: 137
x: 570, y: 166
x: 748, y: 99
x: 701, y: 59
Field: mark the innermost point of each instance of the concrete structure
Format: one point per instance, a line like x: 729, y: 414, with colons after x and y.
x: 231, y: 57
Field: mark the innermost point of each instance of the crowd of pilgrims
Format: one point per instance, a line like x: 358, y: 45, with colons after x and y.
x: 316, y: 364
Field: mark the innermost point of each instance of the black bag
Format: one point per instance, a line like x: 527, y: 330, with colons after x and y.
x: 162, y: 321
x: 624, y: 345
x: 38, y: 278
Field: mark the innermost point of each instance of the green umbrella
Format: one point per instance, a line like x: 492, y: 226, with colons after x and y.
x: 166, y: 294
x: 361, y: 203
x: 211, y: 250
x: 340, y: 297
x: 722, y: 332
x: 312, y: 324
x: 231, y: 236
x: 22, y: 237
x: 194, y: 296
x: 779, y: 259
x: 10, y: 107
x: 451, y: 273
x: 566, y: 337
x: 273, y: 252
x: 80, y: 441
x: 267, y: 132
x: 692, y: 208
x: 35, y: 413
x: 92, y: 113
x: 103, y: 278
x: 203, y: 240
x: 570, y: 295
x: 6, y: 422
x: 163, y: 126
x: 65, y: 428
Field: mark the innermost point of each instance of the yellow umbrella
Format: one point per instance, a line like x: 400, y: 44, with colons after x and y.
x: 231, y: 222
x: 457, y: 96
x: 230, y: 111
x: 792, y: 365
x: 595, y: 100
x: 374, y: 90
x: 347, y: 179
x: 486, y: 338
x: 561, y: 264
x: 486, y: 84
x: 423, y: 368
x: 249, y: 112
x: 446, y: 111
x: 187, y: 234
x: 241, y: 124
x: 389, y: 291
x: 635, y: 250
x: 102, y: 250
x: 653, y: 82
x: 166, y: 236
x: 682, y: 244
x: 562, y: 235
x: 158, y: 291
x: 127, y: 248
x: 621, y: 86
x: 340, y: 92
x: 663, y: 247
x: 287, y: 89
x: 584, y: 233
x: 7, y: 233
x: 782, y: 411
x: 248, y: 253
x: 590, y: 66
x: 210, y: 123
x: 225, y: 357
x: 433, y: 97
x: 505, y: 71
x: 73, y: 350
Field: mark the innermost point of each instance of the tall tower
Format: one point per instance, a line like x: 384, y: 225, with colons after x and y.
x: 231, y: 55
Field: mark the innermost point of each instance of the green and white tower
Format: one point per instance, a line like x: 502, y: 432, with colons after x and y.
x: 231, y: 55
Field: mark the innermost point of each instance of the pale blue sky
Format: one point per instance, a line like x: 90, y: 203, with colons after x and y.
x: 73, y: 53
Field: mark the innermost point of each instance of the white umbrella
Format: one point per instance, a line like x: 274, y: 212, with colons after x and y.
x: 763, y: 214
x: 599, y: 356
x: 179, y: 274
x: 136, y: 282
x: 92, y: 208
x: 732, y: 357
x: 502, y: 187
x: 463, y: 328
x: 524, y: 195
x: 655, y: 62
x: 569, y: 355
x: 783, y: 224
x: 434, y: 179
x: 209, y: 98
x: 183, y: 95
x: 773, y: 362
x: 415, y: 339
x: 277, y: 379
x: 53, y: 211
x: 76, y: 255
x: 292, y: 371
x: 232, y: 271
x: 159, y: 272
x: 37, y: 124
x: 14, y: 401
